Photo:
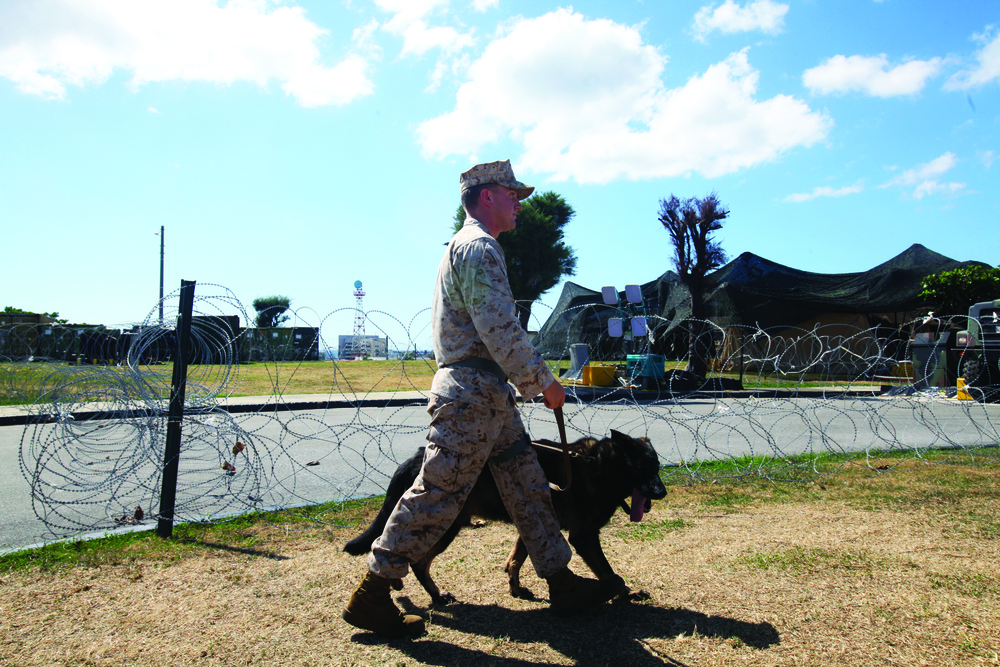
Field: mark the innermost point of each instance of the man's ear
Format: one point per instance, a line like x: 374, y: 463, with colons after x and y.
x: 486, y: 197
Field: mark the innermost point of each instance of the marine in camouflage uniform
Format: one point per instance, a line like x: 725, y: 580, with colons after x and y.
x: 478, y: 343
x: 473, y: 414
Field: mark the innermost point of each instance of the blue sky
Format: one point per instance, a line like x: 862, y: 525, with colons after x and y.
x: 295, y: 147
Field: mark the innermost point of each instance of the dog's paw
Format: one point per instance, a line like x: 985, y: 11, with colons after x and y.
x: 443, y: 598
x: 615, y: 586
x: 397, y: 584
x: 522, y: 593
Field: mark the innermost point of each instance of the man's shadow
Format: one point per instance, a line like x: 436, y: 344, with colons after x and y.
x: 612, y: 634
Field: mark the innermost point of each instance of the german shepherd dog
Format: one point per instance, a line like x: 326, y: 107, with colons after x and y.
x: 605, y: 473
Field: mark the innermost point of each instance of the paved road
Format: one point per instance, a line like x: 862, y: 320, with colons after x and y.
x: 92, y: 471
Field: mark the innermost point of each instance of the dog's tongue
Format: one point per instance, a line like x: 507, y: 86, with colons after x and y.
x: 638, y: 506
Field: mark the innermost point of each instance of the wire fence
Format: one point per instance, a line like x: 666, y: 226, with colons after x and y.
x: 788, y: 404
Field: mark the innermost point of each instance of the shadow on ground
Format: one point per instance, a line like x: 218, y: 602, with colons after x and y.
x: 247, y: 551
x: 615, y: 634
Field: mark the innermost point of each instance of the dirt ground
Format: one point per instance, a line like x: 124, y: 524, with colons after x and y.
x: 776, y: 584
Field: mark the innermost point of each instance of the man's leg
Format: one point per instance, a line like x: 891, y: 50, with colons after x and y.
x: 525, y: 492
x: 460, y: 438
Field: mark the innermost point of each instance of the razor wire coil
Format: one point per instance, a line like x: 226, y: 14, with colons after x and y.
x: 92, y: 450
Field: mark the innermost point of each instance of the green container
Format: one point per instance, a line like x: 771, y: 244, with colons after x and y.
x: 645, y: 365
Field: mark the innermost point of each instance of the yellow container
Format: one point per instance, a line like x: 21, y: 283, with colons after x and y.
x: 903, y: 369
x: 599, y: 376
x: 962, y: 394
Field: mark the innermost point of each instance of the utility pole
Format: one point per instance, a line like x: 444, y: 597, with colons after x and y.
x: 161, y: 275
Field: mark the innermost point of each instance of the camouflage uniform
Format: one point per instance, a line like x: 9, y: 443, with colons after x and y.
x: 474, y: 416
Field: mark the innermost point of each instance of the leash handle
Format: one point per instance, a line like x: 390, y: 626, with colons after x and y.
x: 565, y: 449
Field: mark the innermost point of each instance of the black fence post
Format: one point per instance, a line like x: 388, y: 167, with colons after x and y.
x: 172, y: 447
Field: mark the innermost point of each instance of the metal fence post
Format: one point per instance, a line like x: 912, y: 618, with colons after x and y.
x: 175, y: 415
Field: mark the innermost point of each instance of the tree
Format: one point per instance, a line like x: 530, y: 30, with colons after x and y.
x: 271, y: 310
x: 691, y: 224
x: 537, y: 258
x: 952, y: 292
x: 53, y: 315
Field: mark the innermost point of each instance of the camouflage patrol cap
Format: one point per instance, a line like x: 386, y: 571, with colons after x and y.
x: 499, y: 172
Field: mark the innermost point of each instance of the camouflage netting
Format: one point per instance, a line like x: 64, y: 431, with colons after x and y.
x: 753, y: 292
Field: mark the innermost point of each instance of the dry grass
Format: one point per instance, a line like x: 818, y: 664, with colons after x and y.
x: 898, y: 569
x: 323, y: 378
x: 23, y: 383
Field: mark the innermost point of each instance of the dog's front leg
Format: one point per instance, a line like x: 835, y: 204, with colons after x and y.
x: 587, y: 543
x: 513, y: 569
x: 422, y: 571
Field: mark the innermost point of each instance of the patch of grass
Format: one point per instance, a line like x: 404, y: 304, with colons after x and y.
x: 24, y: 383
x: 986, y: 528
x: 975, y: 585
x: 729, y: 498
x: 889, y: 480
x: 648, y: 530
x: 251, y: 534
x: 323, y: 378
x: 800, y: 560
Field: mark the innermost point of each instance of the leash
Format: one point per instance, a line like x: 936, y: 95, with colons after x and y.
x: 538, y: 444
x: 565, y: 450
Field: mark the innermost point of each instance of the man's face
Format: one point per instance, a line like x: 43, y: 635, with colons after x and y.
x: 505, y: 207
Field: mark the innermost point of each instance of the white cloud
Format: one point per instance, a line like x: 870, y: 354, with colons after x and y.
x: 924, y: 178
x: 987, y: 158
x: 153, y: 110
x: 987, y: 69
x: 62, y: 43
x: 483, y: 5
x: 363, y: 39
x: 825, y: 191
x: 409, y: 22
x: 729, y: 17
x: 585, y: 100
x: 871, y: 75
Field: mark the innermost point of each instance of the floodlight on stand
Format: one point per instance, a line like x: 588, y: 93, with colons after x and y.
x: 610, y: 295
x: 615, y: 327
x: 633, y: 294
x: 639, y: 326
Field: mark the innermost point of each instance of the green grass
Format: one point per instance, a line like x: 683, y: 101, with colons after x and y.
x: 889, y: 480
x: 807, y: 560
x: 651, y: 529
x: 248, y: 534
x: 975, y: 585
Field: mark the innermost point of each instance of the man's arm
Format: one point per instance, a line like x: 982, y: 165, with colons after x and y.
x: 491, y: 307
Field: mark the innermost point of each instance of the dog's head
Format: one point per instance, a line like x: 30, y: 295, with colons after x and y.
x: 641, y: 464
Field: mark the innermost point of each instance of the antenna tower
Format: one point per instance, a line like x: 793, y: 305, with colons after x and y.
x: 359, y: 319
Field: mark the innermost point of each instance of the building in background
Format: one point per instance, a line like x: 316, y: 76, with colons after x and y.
x: 357, y: 347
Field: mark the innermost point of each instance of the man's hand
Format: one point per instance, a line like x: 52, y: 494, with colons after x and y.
x: 554, y: 395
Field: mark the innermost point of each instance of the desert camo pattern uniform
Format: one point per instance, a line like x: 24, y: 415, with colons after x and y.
x: 473, y: 415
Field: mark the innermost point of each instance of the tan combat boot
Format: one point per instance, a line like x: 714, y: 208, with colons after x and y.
x: 570, y: 593
x: 371, y: 608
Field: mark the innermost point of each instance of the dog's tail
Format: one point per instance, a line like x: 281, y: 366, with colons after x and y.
x: 401, y: 481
